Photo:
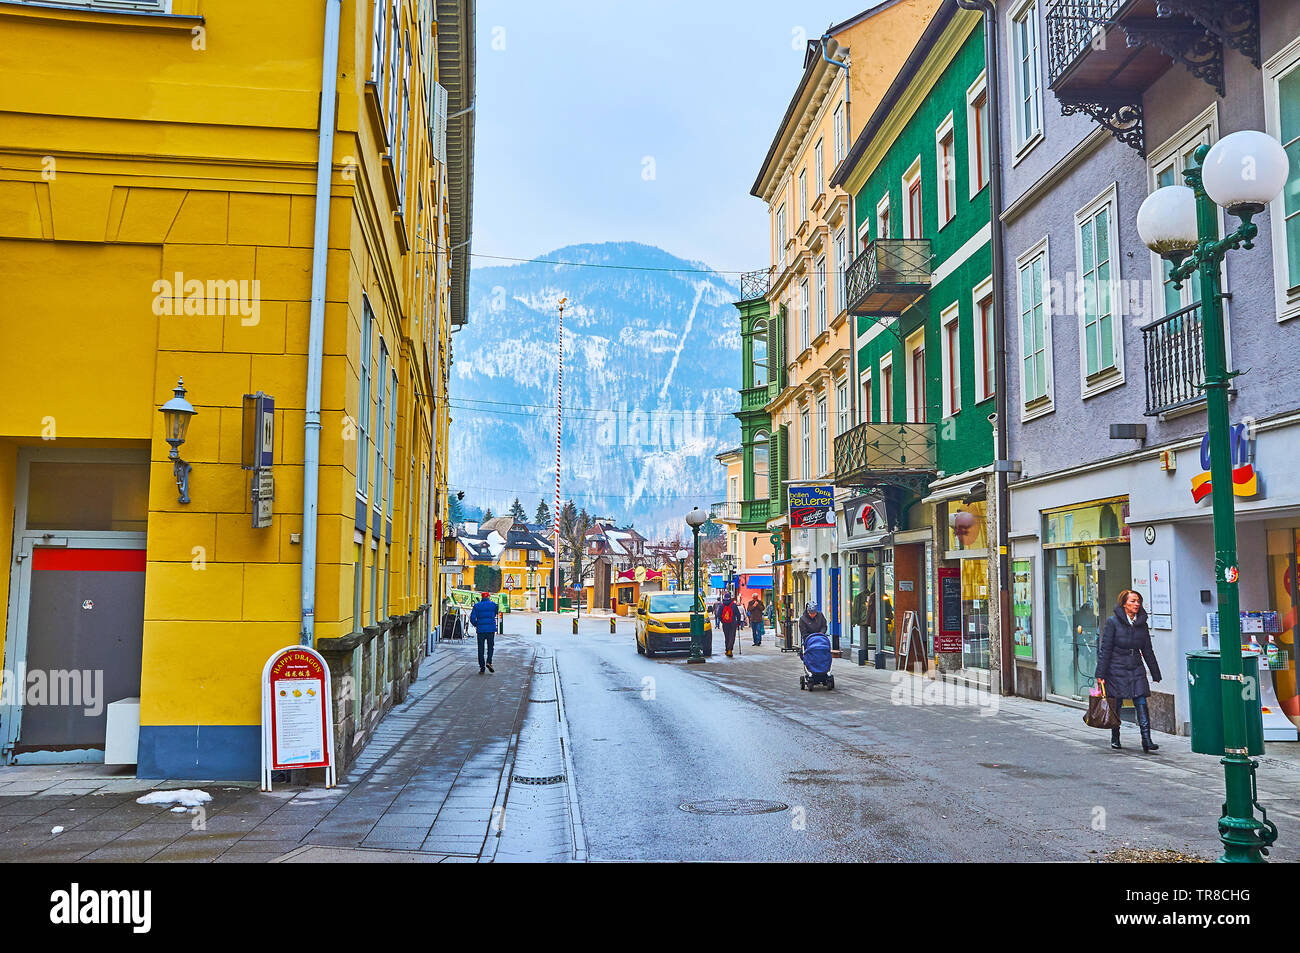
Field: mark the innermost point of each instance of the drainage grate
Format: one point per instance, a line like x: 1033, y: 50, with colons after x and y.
x: 542, y: 700
x: 549, y: 779
x: 734, y: 806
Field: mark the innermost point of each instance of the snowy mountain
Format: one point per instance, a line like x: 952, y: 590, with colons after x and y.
x: 651, y: 371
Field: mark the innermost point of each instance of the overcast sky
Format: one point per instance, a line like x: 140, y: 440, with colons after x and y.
x: 611, y: 120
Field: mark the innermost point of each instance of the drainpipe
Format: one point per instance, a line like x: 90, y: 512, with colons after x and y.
x: 316, y: 325
x: 1001, y: 430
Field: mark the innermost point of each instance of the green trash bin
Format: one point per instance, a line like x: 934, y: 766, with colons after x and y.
x: 1205, y: 693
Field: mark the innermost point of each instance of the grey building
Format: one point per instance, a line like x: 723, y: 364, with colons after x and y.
x: 1104, y: 101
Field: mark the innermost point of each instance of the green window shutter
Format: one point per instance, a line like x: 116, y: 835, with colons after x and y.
x: 783, y: 468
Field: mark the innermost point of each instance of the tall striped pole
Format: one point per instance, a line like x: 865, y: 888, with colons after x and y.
x: 559, y: 429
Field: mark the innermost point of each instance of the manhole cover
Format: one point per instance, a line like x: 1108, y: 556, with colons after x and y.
x: 734, y: 805
x: 548, y: 779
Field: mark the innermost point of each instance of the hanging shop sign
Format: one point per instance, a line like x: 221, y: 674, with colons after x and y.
x: 865, y: 516
x: 949, y: 636
x: 1245, y: 481
x: 297, y: 724
x: 812, y: 507
x: 1022, y: 607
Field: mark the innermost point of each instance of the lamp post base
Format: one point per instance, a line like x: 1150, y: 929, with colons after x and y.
x: 697, y: 636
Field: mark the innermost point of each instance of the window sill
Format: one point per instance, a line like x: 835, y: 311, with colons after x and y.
x: 375, y: 110
x: 1038, y: 407
x: 1101, y: 382
x: 148, y: 20
x: 1029, y: 146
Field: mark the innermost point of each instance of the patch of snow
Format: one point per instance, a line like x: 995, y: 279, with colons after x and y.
x: 56, y: 830
x: 186, y: 797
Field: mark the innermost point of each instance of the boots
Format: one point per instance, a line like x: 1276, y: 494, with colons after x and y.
x: 1114, y: 739
x: 1144, y: 724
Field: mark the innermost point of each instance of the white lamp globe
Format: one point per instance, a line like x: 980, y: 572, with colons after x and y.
x: 696, y: 517
x: 1166, y: 221
x: 1245, y: 171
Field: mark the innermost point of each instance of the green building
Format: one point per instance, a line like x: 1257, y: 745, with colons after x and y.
x: 917, y: 465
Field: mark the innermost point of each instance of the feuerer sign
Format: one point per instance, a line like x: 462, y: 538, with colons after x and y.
x: 297, y: 724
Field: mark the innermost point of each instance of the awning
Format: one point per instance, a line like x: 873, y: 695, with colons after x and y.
x: 756, y: 582
x: 718, y: 581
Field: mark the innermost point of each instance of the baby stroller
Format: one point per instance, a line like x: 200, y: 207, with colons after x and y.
x: 816, y: 658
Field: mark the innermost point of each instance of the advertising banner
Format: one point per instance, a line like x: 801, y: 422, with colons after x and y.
x: 812, y: 507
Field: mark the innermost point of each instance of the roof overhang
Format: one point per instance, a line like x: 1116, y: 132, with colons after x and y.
x: 456, y: 74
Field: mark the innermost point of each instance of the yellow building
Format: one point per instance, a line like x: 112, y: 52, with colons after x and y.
x: 748, y: 552
x: 811, y: 385
x: 523, y: 556
x: 249, y: 198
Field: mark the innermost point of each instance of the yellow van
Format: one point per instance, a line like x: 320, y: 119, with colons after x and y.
x: 663, y: 624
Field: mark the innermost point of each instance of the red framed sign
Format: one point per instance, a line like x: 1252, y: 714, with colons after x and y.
x: 297, y: 721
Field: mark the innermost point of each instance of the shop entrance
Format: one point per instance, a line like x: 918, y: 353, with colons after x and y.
x: 1086, y: 555
x: 74, y: 633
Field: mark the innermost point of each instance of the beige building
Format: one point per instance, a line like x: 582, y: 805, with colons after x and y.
x: 812, y: 243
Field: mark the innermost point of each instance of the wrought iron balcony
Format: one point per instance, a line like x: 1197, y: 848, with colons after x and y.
x: 872, y: 452
x: 1102, y: 55
x: 755, y: 284
x: 1175, y: 360
x: 889, y: 276
x: 727, y: 510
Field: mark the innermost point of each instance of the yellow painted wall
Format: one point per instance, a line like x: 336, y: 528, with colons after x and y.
x: 163, y: 145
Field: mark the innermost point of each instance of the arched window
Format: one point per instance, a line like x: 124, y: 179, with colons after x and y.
x: 760, y: 466
x: 758, y: 348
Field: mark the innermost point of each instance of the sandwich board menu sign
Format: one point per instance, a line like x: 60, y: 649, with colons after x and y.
x: 297, y: 723
x: 948, y: 638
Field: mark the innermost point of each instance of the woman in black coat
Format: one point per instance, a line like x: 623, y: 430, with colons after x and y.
x: 1125, y: 643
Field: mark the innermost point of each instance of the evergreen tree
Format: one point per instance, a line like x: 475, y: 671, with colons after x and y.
x: 487, y: 514
x: 455, y: 510
x: 517, y: 511
x: 543, y: 514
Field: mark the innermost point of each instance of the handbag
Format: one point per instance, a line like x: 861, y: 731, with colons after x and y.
x: 1102, y: 713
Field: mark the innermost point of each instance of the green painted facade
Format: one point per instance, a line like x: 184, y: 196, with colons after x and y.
x: 965, y: 440
x: 755, y: 426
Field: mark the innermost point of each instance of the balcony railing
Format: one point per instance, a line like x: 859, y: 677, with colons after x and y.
x: 755, y: 284
x: 1073, y: 26
x: 888, y: 276
x: 758, y: 511
x: 1175, y: 360
x: 877, y: 449
x: 728, y: 510
x: 753, y: 398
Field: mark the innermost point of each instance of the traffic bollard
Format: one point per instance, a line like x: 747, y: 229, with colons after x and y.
x: 612, y: 630
x: 575, y: 626
x: 539, y: 626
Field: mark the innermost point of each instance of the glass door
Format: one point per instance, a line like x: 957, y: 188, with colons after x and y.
x: 1083, y: 584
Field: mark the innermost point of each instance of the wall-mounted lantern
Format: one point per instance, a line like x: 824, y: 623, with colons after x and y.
x: 176, y: 416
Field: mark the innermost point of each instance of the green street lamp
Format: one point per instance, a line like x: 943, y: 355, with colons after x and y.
x: 681, y: 569
x: 695, y: 519
x: 1243, y: 173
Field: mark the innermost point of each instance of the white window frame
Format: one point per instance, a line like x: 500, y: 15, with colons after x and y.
x: 887, y: 392
x: 1103, y: 379
x: 842, y: 423
x: 984, y: 343
x: 1025, y: 139
x: 841, y: 265
x: 913, y: 230
x: 950, y: 318
x: 915, y: 342
x: 883, y: 217
x: 819, y: 167
x: 1287, y: 296
x: 1048, y: 405
x: 867, y: 405
x: 837, y: 117
x: 821, y: 319
x: 977, y: 137
x: 378, y: 46
x: 805, y: 428
x: 945, y: 174
x: 803, y: 196
x: 363, y: 398
x: 780, y: 235
x: 805, y: 339
x: 823, y: 434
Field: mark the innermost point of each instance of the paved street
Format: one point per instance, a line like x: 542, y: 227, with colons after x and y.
x: 627, y: 758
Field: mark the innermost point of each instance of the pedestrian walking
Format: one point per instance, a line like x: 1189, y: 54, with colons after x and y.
x: 1125, y: 644
x: 729, y: 619
x: 483, y: 617
x: 811, y: 621
x: 755, y: 609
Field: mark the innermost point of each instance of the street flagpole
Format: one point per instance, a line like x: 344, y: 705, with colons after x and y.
x: 559, y: 430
